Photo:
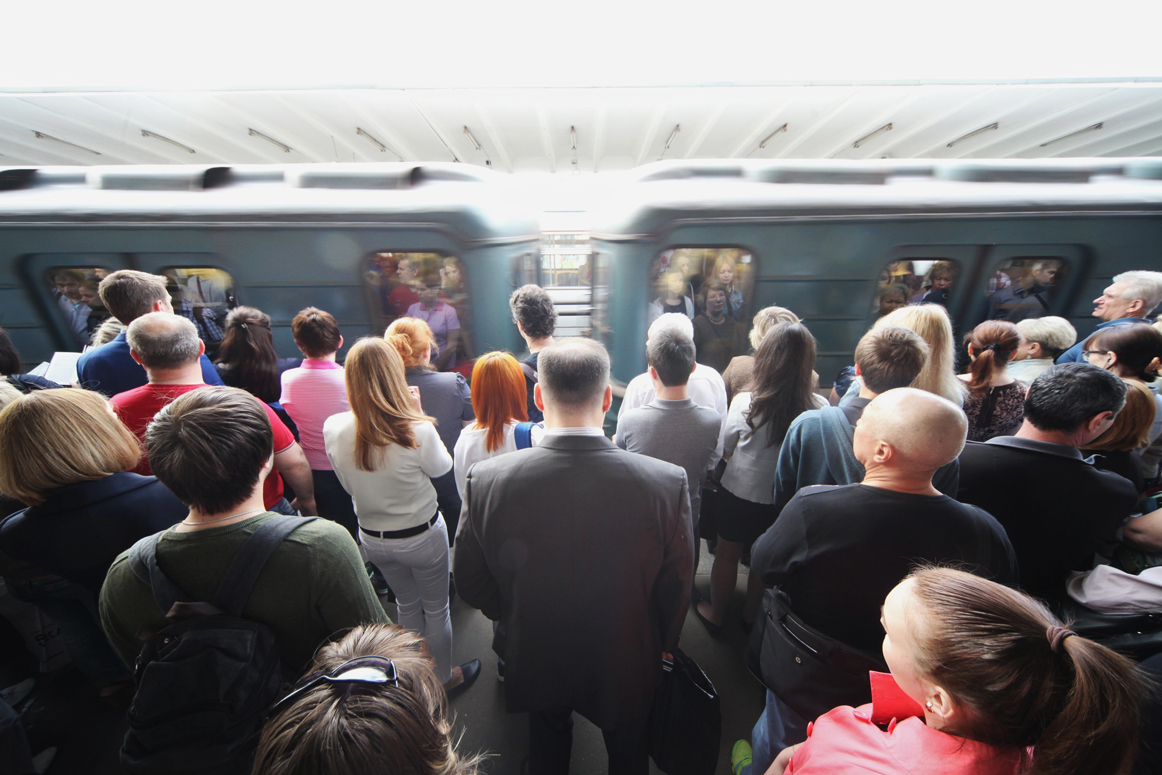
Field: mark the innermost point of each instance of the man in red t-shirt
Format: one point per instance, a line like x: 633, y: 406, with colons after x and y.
x: 169, y: 349
x: 405, y: 294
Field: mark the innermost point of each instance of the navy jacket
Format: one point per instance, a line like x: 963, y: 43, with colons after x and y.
x: 81, y: 528
x: 110, y: 369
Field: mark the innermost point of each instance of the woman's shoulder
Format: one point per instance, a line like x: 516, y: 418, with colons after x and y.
x: 336, y: 423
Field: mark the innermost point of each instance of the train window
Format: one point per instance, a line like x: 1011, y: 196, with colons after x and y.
x: 205, y: 295
x: 714, y: 286
x: 431, y: 287
x: 1024, y: 287
x: 914, y: 281
x: 74, y: 291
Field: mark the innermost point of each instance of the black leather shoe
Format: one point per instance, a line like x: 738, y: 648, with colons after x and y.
x: 471, y: 671
x: 715, y: 630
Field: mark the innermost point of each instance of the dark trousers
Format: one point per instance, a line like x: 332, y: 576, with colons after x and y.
x: 15, y: 757
x: 449, y: 503
x: 333, y: 502
x: 551, y: 745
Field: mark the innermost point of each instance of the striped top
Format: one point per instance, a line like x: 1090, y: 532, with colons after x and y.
x: 310, y: 394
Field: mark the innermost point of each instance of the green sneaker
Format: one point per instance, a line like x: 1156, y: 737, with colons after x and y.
x: 740, y: 757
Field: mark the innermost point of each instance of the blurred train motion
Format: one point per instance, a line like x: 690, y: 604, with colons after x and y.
x: 839, y: 243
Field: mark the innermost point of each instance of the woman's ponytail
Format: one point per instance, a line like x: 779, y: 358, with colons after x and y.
x: 993, y: 343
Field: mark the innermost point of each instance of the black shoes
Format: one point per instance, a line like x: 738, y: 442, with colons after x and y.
x: 471, y: 671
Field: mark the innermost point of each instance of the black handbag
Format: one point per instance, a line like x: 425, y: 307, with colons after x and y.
x: 807, y: 670
x: 686, y: 720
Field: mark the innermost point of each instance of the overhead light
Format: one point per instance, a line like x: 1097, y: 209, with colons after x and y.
x: 475, y: 143
x: 43, y: 136
x: 156, y: 136
x: 674, y: 134
x: 974, y: 133
x: 773, y: 135
x: 271, y: 140
x: 573, y: 136
x: 877, y: 133
x: 1093, y: 128
x: 382, y: 148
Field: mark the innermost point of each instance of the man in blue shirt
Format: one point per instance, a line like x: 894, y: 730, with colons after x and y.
x: 1128, y: 300
x: 128, y: 295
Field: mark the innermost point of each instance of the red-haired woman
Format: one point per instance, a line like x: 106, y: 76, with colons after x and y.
x: 996, y: 402
x: 498, y: 398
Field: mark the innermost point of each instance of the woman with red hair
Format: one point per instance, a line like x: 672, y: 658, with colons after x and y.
x: 498, y: 399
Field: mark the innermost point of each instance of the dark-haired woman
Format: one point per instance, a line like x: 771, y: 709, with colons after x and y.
x: 996, y: 402
x: 248, y: 360
x: 755, y: 427
x: 984, y: 681
x: 10, y: 368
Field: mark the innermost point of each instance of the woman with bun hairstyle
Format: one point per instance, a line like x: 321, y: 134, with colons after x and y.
x: 995, y: 404
x: 984, y: 680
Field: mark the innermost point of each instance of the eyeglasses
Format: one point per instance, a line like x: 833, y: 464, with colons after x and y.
x: 1088, y: 353
x: 369, y: 670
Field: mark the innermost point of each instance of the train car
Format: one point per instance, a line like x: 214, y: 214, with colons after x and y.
x: 840, y: 242
x: 362, y: 242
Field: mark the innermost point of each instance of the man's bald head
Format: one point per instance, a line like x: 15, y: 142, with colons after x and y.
x: 162, y: 340
x: 923, y: 430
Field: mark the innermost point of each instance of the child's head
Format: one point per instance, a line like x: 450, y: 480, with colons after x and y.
x: 992, y: 664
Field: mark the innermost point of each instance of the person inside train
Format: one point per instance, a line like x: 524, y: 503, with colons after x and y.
x: 890, y: 298
x: 212, y: 449
x: 1028, y: 295
x: 498, y: 401
x: 444, y: 323
x: 454, y: 291
x: 984, y: 681
x: 129, y: 294
x: 936, y: 286
x: 536, y: 320
x: 91, y: 298
x: 370, y: 698
x: 995, y: 402
x: 12, y: 368
x: 387, y: 453
x: 717, y: 336
x: 818, y: 448
x: 248, y: 360
x: 1128, y: 300
x: 836, y: 552
x: 1042, y: 340
x: 782, y: 389
x: 168, y: 348
x: 673, y: 298
x: 66, y: 292
x: 312, y: 393
x: 726, y: 273
x: 740, y: 371
x: 932, y: 323
x: 406, y: 293
x: 445, y: 396
x: 1059, y: 510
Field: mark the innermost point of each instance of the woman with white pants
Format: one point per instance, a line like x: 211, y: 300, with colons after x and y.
x: 385, y: 452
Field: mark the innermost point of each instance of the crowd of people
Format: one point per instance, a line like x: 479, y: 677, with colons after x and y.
x: 919, y: 530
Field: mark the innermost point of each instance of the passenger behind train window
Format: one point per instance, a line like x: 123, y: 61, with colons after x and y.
x: 74, y: 291
x: 679, y: 278
x: 1022, y: 288
x: 430, y: 287
x: 204, y: 295
x: 914, y: 281
x: 936, y: 287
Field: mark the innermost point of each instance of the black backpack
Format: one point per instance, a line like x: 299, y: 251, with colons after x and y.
x: 206, y: 680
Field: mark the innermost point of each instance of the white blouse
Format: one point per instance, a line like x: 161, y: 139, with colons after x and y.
x: 398, y: 494
x: 470, y: 448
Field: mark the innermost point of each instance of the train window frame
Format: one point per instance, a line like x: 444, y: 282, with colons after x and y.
x: 1073, y: 258
x: 45, y: 279
x: 966, y: 258
x: 748, y: 305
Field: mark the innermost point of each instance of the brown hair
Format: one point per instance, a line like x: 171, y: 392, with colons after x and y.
x: 1131, y: 427
x: 316, y: 333
x: 354, y: 728
x: 1138, y: 347
x: 52, y: 438
x: 890, y: 357
x: 380, y: 401
x: 9, y: 356
x: 411, y: 337
x: 248, y: 352
x: 1001, y: 655
x: 209, y: 447
x: 783, y: 382
x: 498, y: 395
x: 129, y: 294
x: 993, y: 343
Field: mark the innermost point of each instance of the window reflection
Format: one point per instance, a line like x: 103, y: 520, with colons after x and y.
x: 1022, y: 288
x: 74, y: 292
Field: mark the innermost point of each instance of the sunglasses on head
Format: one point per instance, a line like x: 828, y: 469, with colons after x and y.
x: 368, y: 670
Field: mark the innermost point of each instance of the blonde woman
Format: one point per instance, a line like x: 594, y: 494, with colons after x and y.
x: 726, y: 272
x: 385, y: 452
x: 938, y: 376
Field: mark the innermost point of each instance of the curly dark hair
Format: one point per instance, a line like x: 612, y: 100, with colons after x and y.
x: 533, y: 309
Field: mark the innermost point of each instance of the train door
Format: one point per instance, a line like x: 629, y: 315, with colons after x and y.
x: 64, y: 287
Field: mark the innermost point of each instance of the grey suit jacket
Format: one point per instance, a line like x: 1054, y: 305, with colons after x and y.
x: 583, y: 552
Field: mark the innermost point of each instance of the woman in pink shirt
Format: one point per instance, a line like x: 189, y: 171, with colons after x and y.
x: 312, y: 393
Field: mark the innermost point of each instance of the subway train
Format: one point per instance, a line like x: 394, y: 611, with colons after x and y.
x: 837, y: 242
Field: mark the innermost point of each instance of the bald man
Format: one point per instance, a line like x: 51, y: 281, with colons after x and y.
x: 837, y: 551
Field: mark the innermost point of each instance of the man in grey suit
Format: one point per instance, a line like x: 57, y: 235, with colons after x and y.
x: 583, y: 553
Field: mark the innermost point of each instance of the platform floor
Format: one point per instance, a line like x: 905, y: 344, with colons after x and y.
x: 87, y: 731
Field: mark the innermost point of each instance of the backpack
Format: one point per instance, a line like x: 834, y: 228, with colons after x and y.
x: 206, y: 680
x: 524, y: 434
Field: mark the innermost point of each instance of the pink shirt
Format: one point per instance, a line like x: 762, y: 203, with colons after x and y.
x: 310, y: 394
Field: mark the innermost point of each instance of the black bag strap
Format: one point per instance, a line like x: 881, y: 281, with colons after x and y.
x: 143, y: 562
x: 530, y: 373
x: 236, y: 585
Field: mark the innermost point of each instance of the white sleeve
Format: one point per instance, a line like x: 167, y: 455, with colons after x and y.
x: 460, y: 463
x: 634, y: 394
x: 434, y: 459
x: 735, y: 422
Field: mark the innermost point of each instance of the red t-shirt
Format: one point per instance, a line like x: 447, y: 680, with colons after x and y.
x: 402, y: 297
x: 137, y: 407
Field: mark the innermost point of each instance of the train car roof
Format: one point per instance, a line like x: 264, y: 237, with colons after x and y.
x: 654, y: 197
x: 474, y: 204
